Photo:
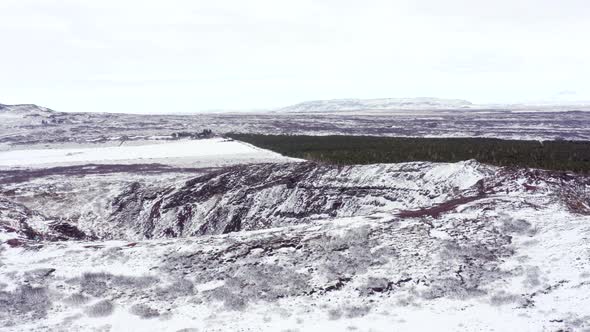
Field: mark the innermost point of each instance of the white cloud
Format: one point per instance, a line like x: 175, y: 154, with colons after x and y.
x: 196, y: 55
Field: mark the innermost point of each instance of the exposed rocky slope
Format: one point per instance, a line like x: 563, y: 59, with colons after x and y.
x: 260, y: 196
x: 458, y: 246
x: 245, y: 197
x: 271, y: 195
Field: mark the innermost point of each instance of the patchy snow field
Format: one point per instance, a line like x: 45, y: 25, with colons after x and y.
x: 198, y: 153
x: 405, y: 247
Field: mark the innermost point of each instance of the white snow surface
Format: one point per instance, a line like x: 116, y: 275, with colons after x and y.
x: 205, y: 152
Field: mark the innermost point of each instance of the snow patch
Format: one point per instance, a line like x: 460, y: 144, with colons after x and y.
x: 216, y: 148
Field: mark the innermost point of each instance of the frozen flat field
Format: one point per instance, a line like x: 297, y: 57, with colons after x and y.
x: 206, y: 152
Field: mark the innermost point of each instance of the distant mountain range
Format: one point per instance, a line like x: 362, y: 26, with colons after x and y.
x: 377, y: 104
x: 352, y: 105
x: 424, y: 104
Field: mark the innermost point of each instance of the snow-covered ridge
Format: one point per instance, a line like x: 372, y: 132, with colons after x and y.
x: 377, y: 104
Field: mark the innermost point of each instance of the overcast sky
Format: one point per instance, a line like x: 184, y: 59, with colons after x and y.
x: 181, y: 56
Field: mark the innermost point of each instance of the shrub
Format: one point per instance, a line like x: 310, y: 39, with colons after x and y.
x: 101, y: 309
x: 77, y: 299
x: 144, y: 311
x: 25, y: 300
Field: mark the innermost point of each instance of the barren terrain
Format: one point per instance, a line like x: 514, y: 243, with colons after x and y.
x: 166, y: 234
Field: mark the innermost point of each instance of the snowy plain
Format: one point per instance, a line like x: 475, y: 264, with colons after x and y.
x: 198, y: 153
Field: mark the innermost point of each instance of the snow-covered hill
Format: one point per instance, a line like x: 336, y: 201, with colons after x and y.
x: 24, y: 113
x: 336, y: 105
x: 25, y: 110
x: 271, y: 247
